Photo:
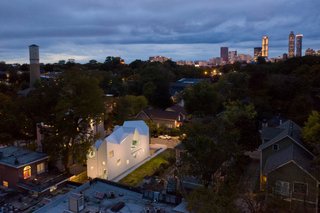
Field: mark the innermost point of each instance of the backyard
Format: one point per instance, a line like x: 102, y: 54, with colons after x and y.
x: 156, y: 165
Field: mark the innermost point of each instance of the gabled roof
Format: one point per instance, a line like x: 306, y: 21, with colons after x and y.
x: 18, y: 157
x: 161, y: 114
x: 292, y: 153
x: 140, y: 125
x: 128, y: 129
x: 120, y: 134
x: 177, y: 108
x: 287, y: 129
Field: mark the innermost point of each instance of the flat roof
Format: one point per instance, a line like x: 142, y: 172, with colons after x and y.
x: 95, y: 201
x: 17, y: 157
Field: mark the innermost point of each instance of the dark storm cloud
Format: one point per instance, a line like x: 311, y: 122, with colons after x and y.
x: 116, y: 26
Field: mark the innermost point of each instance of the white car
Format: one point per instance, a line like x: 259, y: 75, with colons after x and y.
x: 165, y: 137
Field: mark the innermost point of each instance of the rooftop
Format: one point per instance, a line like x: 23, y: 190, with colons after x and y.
x: 102, y: 196
x: 17, y: 157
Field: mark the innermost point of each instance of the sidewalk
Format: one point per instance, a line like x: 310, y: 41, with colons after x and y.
x: 155, y: 146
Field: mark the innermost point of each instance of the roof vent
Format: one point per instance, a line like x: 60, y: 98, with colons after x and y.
x: 16, y: 162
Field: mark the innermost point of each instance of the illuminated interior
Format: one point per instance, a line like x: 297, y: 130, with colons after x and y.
x: 26, y: 172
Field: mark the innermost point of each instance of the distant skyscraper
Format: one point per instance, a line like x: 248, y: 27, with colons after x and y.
x: 257, y: 52
x: 34, y: 64
x: 291, y: 45
x: 299, y: 45
x: 224, y: 53
x: 265, y: 47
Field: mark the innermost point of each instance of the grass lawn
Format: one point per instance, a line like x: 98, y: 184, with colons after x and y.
x: 148, y: 169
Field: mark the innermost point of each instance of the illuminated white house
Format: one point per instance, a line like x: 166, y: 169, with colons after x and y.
x: 127, y: 146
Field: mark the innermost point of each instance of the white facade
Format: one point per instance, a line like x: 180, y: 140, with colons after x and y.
x: 127, y: 146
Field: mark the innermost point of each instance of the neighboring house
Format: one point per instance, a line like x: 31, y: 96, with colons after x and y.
x: 170, y: 119
x: 177, y: 87
x: 127, y: 146
x: 178, y: 109
x: 18, y: 165
x: 285, y: 167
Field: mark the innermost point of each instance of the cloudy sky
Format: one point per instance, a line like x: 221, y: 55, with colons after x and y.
x: 137, y: 29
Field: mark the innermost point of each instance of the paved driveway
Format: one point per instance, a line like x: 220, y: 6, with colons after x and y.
x: 171, y: 143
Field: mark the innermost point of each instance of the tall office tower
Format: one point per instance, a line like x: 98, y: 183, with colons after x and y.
x: 265, y: 47
x: 257, y: 52
x: 299, y: 45
x: 34, y: 64
x: 291, y: 45
x: 224, y: 53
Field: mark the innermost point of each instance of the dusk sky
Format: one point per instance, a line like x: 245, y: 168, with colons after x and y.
x: 137, y: 29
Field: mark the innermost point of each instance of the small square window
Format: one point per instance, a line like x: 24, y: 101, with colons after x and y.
x: 276, y: 147
x: 118, y: 162
x: 111, y: 154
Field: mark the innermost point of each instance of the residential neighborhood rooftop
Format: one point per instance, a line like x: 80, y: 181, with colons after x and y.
x: 17, y: 157
x: 105, y: 196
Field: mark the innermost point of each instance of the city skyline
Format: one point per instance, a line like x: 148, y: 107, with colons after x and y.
x: 139, y: 29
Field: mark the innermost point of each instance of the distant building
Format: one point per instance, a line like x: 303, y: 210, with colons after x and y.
x: 232, y: 56
x: 62, y: 62
x: 224, y: 51
x: 291, y: 45
x: 182, y: 63
x: 127, y: 146
x: 158, y: 58
x: 244, y: 58
x: 34, y: 64
x: 284, y: 56
x: 71, y: 61
x: 257, y: 52
x: 310, y: 51
x: 299, y: 45
x: 265, y: 47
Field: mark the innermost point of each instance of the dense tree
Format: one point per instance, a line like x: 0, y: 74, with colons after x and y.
x: 202, y: 99
x: 205, y: 156
x: 311, y: 130
x: 127, y: 107
x: 79, y: 104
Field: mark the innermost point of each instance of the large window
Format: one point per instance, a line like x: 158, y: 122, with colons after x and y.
x: 41, y: 168
x: 282, y: 188
x: 300, y: 188
x: 26, y: 172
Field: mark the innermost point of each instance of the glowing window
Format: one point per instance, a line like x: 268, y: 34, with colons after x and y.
x: 111, y: 154
x: 5, y: 184
x: 40, y: 168
x: 26, y: 172
x: 118, y: 162
x: 128, y: 161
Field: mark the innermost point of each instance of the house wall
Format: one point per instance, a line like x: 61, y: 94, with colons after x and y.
x: 128, y: 157
x: 105, y: 166
x: 98, y: 164
x: 267, y: 152
x: 292, y: 173
x: 166, y: 123
x: 10, y: 175
x: 14, y: 175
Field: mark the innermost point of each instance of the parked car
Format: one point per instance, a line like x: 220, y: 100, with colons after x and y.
x: 165, y: 137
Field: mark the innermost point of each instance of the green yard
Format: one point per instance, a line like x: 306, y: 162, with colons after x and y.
x: 152, y: 166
